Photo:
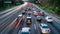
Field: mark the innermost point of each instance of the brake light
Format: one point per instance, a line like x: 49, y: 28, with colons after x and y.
x: 49, y: 30
x: 29, y: 29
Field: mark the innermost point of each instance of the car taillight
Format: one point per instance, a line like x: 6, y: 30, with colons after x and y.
x: 29, y: 29
x: 49, y: 30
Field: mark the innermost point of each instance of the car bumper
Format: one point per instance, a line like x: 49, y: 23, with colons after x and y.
x: 28, y: 23
x: 45, y: 32
x: 49, y: 20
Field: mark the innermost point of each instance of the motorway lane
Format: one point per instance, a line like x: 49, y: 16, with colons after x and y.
x: 5, y: 25
x: 9, y: 27
x: 8, y: 21
x: 54, y: 30
x: 15, y: 31
x: 56, y: 21
x: 37, y: 31
x: 25, y: 25
x: 32, y: 25
x: 10, y: 17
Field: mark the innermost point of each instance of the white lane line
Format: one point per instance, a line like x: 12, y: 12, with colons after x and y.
x: 39, y: 25
x: 35, y: 26
x: 19, y: 32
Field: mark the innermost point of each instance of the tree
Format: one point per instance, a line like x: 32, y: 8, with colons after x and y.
x: 1, y: 3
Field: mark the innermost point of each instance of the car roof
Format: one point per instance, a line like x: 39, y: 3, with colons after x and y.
x: 28, y: 17
x: 25, y: 29
x: 42, y: 24
x: 38, y: 16
x: 20, y: 15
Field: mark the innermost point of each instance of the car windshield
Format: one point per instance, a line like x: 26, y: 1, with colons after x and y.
x: 29, y: 19
x: 38, y: 16
x: 25, y: 32
x: 50, y: 18
x: 45, y: 27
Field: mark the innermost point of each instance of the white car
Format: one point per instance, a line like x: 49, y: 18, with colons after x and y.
x: 25, y: 30
x: 44, y: 28
x: 34, y: 11
x: 49, y: 19
x: 19, y: 16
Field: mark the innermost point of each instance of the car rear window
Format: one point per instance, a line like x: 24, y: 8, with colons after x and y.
x: 25, y: 33
x: 28, y: 18
x: 50, y: 18
x: 38, y: 16
x: 45, y: 27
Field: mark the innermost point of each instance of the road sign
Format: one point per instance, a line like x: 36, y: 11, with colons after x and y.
x: 24, y: 0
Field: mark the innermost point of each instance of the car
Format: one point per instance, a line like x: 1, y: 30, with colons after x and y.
x: 28, y: 21
x: 29, y: 12
x: 39, y: 10
x: 23, y: 12
x: 44, y: 28
x: 19, y: 16
x: 35, y: 14
x: 25, y: 30
x: 42, y: 13
x: 29, y: 9
x: 49, y: 19
x: 39, y: 18
x: 34, y: 11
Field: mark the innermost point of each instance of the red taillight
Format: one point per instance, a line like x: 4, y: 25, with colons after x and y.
x: 35, y: 14
x: 49, y: 30
x: 29, y: 29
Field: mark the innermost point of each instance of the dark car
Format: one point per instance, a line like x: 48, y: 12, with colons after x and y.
x: 23, y: 12
x: 29, y: 12
x: 42, y: 13
x: 28, y: 21
x: 39, y: 18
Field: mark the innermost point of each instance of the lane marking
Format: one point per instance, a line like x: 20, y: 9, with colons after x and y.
x: 35, y: 26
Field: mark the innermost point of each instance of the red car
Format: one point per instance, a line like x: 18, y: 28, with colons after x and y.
x: 35, y: 14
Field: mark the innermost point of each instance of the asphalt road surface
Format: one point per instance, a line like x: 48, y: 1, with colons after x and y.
x: 10, y: 27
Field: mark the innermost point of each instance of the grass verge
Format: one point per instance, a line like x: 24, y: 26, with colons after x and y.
x: 7, y: 6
